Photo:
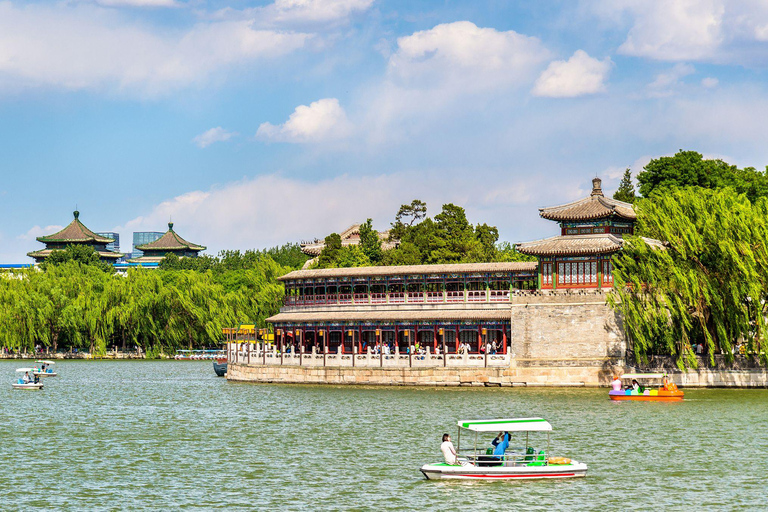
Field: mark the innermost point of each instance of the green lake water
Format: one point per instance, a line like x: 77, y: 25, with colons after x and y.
x: 154, y: 435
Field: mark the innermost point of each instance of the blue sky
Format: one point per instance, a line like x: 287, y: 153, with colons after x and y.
x: 252, y: 124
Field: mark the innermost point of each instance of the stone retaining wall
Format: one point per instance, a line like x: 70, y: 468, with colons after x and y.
x: 553, y: 376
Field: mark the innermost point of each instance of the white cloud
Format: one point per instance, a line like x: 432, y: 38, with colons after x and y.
x: 690, y: 30
x: 317, y: 10
x: 677, y: 30
x: 299, y: 13
x: 710, y: 82
x: 85, y: 47
x: 665, y: 83
x: 322, y: 120
x: 37, y: 231
x: 138, y: 3
x: 228, y: 218
x: 208, y: 137
x: 579, y: 75
x: 466, y: 56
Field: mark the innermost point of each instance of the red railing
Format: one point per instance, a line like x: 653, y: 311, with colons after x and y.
x: 415, y: 297
x: 345, y: 298
x: 361, y: 298
x: 434, y: 296
x: 476, y: 296
x: 499, y: 295
x: 378, y: 298
x: 454, y: 296
x: 396, y: 298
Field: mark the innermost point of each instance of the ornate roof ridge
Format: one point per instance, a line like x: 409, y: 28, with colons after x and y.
x: 575, y: 245
x: 170, y: 240
x: 75, y: 231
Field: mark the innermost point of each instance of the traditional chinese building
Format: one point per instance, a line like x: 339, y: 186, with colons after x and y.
x: 437, y: 306
x: 75, y: 234
x: 170, y: 242
x: 591, y: 231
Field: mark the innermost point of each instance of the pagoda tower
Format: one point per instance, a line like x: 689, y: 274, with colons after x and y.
x: 591, y: 231
x: 170, y: 242
x: 75, y: 234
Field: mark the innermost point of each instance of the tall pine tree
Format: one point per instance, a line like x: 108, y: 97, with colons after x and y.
x: 626, y: 191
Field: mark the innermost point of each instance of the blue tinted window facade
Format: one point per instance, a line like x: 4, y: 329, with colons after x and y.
x: 141, y: 238
x: 113, y: 246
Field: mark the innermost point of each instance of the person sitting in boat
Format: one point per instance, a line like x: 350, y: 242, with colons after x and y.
x: 495, y: 456
x: 26, y: 379
x: 616, y: 383
x: 449, y: 452
x: 500, y: 445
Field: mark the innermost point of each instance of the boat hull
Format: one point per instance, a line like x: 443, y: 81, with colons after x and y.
x: 30, y: 386
x: 471, y: 472
x: 45, y: 374
x: 662, y: 396
x: 220, y: 368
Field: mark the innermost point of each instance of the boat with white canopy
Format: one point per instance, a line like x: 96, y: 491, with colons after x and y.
x: 44, y: 370
x: 521, y: 460
x: 21, y: 383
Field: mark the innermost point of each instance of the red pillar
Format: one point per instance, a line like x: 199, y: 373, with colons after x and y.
x: 359, y: 339
x: 504, y: 338
x: 479, y: 337
x: 434, y: 337
x: 457, y: 339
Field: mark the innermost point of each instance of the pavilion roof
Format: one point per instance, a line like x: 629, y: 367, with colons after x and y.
x: 170, y: 241
x: 75, y: 232
x: 573, y: 245
x: 399, y: 316
x: 596, y: 206
x: 456, y: 268
x: 44, y: 253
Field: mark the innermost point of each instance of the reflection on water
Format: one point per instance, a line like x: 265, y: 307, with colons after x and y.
x: 135, y: 434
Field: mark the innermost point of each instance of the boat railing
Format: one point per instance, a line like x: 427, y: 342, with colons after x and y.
x: 511, y: 458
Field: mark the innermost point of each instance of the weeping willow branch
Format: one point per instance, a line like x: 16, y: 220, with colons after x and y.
x: 710, y: 284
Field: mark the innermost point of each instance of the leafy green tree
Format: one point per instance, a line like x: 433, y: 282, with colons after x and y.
x: 485, y: 250
x: 405, y: 254
x: 82, y: 254
x: 352, y: 256
x: 708, y: 285
x: 407, y: 216
x: 626, y: 191
x: 505, y: 251
x: 370, y: 243
x: 454, y: 238
x: 330, y: 253
x: 689, y: 168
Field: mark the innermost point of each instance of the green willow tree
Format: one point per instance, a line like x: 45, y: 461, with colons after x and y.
x: 74, y: 305
x: 708, y: 285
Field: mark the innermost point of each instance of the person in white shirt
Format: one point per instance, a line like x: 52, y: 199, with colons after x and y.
x: 449, y: 452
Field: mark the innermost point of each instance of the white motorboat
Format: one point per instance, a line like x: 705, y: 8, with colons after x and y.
x: 32, y: 384
x: 520, y: 462
x: 44, y: 370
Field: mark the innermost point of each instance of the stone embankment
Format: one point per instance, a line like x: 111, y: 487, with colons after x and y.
x: 76, y: 355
